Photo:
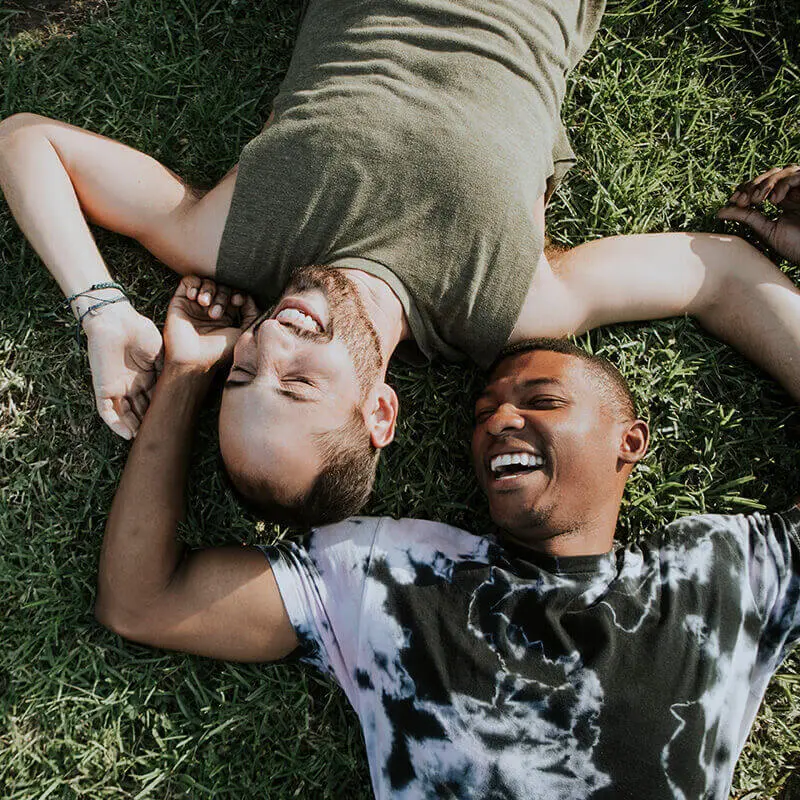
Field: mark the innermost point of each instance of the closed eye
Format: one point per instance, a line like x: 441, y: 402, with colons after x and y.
x: 482, y: 414
x: 543, y: 403
x: 239, y: 376
x: 300, y: 388
x: 302, y: 381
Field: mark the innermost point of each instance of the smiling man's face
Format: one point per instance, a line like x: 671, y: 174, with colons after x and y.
x: 549, y: 448
x: 300, y: 373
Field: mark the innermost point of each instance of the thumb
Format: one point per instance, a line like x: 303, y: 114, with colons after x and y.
x: 248, y: 312
x: 762, y: 226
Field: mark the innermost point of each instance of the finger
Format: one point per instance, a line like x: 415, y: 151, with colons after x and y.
x: 747, y: 192
x: 190, y: 284
x: 139, y: 403
x: 761, y: 225
x: 249, y: 312
x: 790, y: 207
x: 788, y: 181
x: 108, y: 414
x: 793, y: 195
x: 128, y: 415
x: 771, y: 182
x: 141, y: 391
x: 206, y: 293
x: 219, y: 305
x: 158, y: 365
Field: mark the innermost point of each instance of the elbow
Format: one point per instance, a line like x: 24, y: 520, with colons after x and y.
x: 109, y: 616
x: 17, y: 122
x: 728, y: 277
x: 117, y: 619
x: 14, y: 133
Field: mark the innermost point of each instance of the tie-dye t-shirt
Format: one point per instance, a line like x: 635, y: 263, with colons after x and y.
x: 481, y: 671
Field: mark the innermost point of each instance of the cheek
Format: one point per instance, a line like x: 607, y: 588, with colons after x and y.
x: 335, y: 368
x: 238, y: 417
x: 229, y: 425
x: 587, y: 456
x: 478, y: 447
x: 475, y: 444
x: 245, y: 347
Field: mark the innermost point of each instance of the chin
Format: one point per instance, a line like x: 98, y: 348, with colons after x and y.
x: 519, y: 519
x: 511, y: 519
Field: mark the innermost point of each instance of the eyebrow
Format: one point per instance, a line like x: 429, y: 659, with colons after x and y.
x: 528, y: 384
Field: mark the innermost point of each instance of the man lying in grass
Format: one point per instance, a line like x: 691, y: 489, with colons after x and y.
x: 413, y: 149
x: 543, y: 663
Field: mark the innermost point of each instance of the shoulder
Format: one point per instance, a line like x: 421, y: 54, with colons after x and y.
x: 730, y: 527
x: 703, y: 541
x: 396, y: 541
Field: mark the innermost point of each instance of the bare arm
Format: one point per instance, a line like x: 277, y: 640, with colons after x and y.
x: 220, y: 602
x: 732, y: 290
x: 55, y: 177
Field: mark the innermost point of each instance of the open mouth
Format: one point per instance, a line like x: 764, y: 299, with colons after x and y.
x: 298, y: 314
x: 297, y: 319
x: 511, y: 465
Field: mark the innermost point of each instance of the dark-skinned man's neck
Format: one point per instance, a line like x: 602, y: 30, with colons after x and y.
x: 592, y: 537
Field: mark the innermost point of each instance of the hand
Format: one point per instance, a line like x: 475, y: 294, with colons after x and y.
x: 124, y: 356
x: 782, y: 188
x: 204, y: 321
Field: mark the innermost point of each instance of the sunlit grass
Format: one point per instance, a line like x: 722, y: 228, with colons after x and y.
x: 676, y: 102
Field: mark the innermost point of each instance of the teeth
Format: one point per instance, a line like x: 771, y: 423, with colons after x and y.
x: 293, y: 316
x: 523, y: 459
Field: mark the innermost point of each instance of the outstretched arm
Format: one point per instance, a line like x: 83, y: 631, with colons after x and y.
x: 220, y: 602
x: 732, y: 290
x: 55, y: 177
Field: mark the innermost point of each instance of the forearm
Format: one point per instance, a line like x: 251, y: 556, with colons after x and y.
x: 756, y: 310
x: 42, y: 199
x: 733, y: 291
x: 140, y: 553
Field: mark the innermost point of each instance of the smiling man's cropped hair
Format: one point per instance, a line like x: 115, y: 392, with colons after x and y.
x: 340, y: 490
x: 608, y: 380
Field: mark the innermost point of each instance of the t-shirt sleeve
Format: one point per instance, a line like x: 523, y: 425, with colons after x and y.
x: 773, y: 550
x: 322, y: 586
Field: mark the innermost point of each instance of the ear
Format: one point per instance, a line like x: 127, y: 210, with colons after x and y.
x: 381, y: 415
x: 633, y: 445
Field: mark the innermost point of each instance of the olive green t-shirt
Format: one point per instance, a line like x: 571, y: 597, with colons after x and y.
x: 412, y: 139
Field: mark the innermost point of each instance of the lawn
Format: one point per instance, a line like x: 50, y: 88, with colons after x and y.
x: 676, y: 102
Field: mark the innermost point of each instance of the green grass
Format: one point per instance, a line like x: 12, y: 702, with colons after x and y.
x: 676, y: 102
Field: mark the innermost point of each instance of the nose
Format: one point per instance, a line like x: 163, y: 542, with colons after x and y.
x: 505, y: 418
x: 273, y: 341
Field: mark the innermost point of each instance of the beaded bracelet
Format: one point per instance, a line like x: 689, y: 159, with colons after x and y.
x: 101, y: 301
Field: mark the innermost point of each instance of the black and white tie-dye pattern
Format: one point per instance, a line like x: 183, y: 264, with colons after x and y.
x: 482, y: 671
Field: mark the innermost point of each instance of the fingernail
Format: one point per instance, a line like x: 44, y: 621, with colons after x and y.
x: 216, y: 311
x: 191, y: 293
x: 204, y: 298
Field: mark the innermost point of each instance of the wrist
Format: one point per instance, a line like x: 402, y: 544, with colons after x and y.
x: 104, y: 316
x: 178, y: 371
x: 91, y: 300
